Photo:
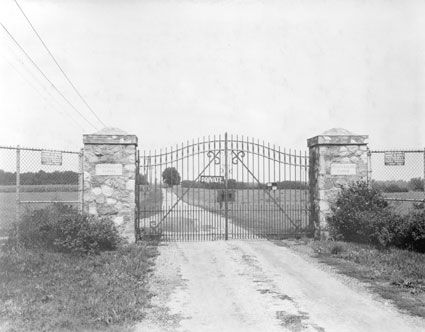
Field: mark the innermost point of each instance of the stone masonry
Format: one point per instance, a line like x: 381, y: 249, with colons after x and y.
x: 109, y: 177
x: 337, y: 157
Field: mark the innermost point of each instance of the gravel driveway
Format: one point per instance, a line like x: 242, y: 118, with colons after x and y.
x: 257, y: 285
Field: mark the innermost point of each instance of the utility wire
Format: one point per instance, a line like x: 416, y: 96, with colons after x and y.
x: 41, y: 95
x: 35, y: 78
x: 44, y: 75
x: 57, y: 64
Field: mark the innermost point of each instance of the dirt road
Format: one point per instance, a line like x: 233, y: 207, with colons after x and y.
x: 259, y: 286
x: 191, y: 220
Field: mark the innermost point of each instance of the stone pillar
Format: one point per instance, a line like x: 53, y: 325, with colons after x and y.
x: 109, y: 177
x: 337, y: 157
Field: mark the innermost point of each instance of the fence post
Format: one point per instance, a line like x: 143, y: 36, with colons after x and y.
x: 80, y: 181
x: 424, y: 173
x: 18, y: 182
x: 369, y: 167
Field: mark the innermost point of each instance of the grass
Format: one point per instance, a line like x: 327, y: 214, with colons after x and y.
x: 256, y: 211
x: 397, y: 275
x: 46, y: 291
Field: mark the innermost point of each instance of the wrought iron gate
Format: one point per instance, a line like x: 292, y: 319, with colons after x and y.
x: 225, y: 187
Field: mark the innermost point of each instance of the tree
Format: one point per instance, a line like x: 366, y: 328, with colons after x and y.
x: 416, y: 184
x: 171, y: 176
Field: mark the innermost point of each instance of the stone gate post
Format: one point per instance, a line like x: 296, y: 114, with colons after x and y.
x: 109, y: 177
x: 337, y: 157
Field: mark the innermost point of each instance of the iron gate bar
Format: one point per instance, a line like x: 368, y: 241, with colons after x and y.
x: 226, y: 178
x: 274, y: 200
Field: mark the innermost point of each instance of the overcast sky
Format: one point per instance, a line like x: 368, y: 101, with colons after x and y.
x: 169, y: 71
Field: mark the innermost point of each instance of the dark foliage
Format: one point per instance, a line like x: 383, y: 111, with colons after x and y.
x: 391, y: 186
x: 361, y: 214
x: 61, y: 228
x: 416, y: 184
x: 39, y: 178
x: 171, y: 176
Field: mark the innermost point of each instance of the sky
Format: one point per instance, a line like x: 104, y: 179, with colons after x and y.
x: 172, y: 71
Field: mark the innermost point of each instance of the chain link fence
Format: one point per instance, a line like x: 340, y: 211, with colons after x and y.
x: 399, y: 174
x: 32, y: 179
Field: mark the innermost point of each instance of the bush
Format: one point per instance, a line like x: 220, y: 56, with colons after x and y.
x: 62, y: 228
x: 410, y: 234
x: 361, y: 214
x: 416, y: 184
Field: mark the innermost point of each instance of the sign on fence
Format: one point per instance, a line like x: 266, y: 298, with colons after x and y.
x: 211, y: 179
x: 394, y: 158
x: 51, y: 158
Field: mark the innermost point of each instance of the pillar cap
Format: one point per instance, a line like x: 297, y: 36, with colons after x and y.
x: 110, y: 135
x: 337, y: 136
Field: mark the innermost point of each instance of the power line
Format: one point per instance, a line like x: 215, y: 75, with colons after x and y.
x: 40, y: 94
x: 57, y: 64
x: 44, y: 75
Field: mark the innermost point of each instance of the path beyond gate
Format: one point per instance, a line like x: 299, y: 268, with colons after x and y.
x: 225, y: 187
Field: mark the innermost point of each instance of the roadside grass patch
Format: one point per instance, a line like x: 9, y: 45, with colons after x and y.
x: 48, y: 291
x: 396, y: 274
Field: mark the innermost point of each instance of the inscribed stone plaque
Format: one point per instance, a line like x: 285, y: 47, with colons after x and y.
x: 394, y: 158
x: 109, y: 169
x: 51, y: 158
x: 343, y: 169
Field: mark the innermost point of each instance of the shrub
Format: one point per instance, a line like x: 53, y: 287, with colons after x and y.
x: 62, y: 228
x: 416, y: 184
x: 410, y: 234
x: 361, y: 214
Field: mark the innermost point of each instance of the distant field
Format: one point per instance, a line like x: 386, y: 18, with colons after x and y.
x: 8, y: 204
x: 404, y: 207
x: 255, y: 210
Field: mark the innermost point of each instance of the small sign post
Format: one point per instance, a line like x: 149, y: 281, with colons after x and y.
x: 51, y: 158
x: 394, y: 158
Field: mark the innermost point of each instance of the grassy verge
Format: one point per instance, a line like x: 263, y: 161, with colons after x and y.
x: 46, y: 291
x: 397, y: 275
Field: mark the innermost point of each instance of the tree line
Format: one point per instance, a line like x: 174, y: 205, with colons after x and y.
x: 39, y: 178
x: 393, y: 186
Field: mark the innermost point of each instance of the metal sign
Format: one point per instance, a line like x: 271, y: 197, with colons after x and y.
x: 211, y: 179
x: 51, y: 158
x: 272, y: 185
x: 394, y: 158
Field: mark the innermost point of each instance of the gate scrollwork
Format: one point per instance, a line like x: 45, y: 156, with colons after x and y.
x: 238, y: 155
